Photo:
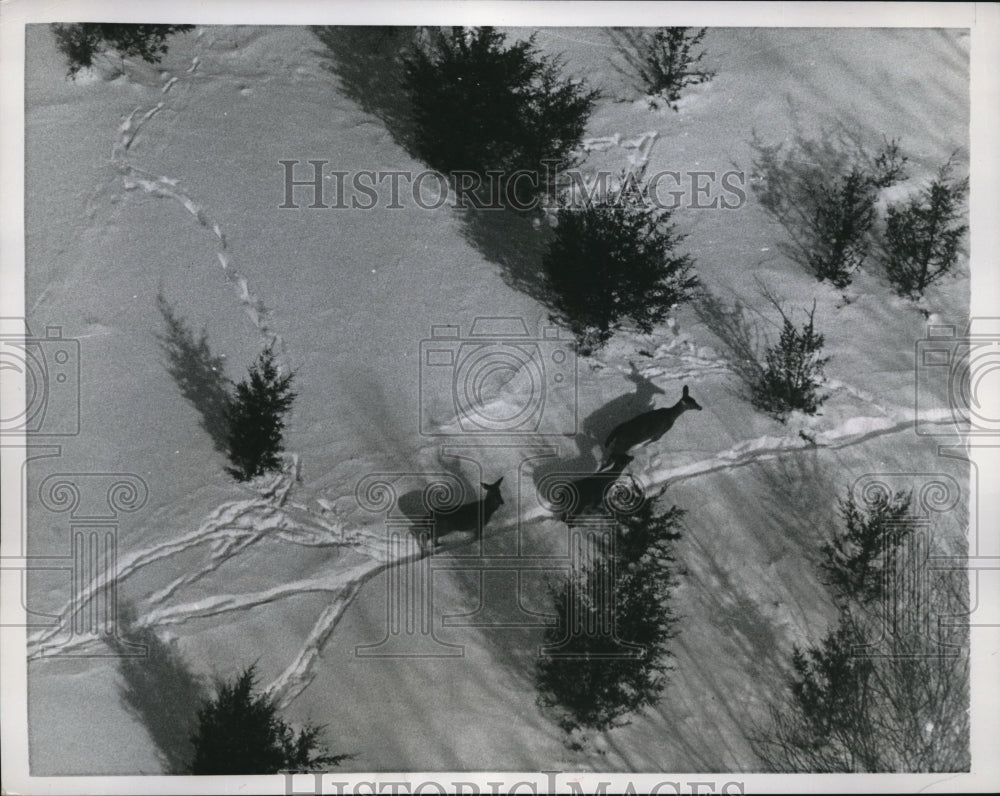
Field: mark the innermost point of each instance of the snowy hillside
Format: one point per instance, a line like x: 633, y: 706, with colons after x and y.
x: 158, y: 195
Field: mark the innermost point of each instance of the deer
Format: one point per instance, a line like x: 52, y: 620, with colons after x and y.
x: 590, y: 489
x: 645, y: 428
x: 638, y: 400
x: 471, y: 516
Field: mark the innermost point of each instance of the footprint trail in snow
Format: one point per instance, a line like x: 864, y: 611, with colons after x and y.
x: 134, y: 177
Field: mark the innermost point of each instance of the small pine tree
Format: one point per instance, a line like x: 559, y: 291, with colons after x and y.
x: 613, y: 661
x: 844, y: 215
x: 825, y: 199
x: 792, y: 370
x: 614, y: 262
x: 922, y: 235
x: 82, y: 42
x: 240, y: 732
x: 829, y: 687
x: 479, y: 105
x: 667, y: 65
x: 887, y: 690
x: 849, y: 711
x: 855, y: 559
x: 255, y: 419
x: 888, y: 167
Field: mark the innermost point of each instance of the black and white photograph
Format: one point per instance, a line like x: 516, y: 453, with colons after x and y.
x: 495, y: 398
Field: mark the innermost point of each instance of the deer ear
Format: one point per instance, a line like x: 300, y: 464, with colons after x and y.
x: 684, y: 392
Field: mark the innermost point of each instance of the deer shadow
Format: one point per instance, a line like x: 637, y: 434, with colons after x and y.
x: 596, y: 426
x: 163, y: 694
x: 198, y: 372
x: 366, y: 59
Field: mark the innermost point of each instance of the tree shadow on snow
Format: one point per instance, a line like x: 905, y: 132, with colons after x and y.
x: 366, y: 59
x: 162, y: 693
x: 513, y: 241
x: 808, y: 484
x: 198, y: 372
x: 789, y: 180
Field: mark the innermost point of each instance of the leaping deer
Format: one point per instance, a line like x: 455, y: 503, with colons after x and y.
x: 645, y: 428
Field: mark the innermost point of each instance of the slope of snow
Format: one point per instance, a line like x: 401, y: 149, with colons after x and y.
x: 168, y: 183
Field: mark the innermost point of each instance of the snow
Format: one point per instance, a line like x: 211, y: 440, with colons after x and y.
x: 168, y: 183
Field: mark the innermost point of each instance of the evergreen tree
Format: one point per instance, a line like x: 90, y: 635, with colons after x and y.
x: 479, y: 105
x: 607, y: 655
x: 887, y: 690
x: 922, y: 235
x: 613, y: 262
x: 82, y: 42
x: 843, y: 217
x: 825, y: 199
x: 792, y: 370
x: 240, y: 732
x: 255, y: 419
x: 856, y: 558
x: 667, y: 64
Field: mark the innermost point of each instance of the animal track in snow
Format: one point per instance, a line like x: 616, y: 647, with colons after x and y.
x: 228, y: 530
x: 168, y: 187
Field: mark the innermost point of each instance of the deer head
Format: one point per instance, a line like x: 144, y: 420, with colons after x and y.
x: 687, y: 402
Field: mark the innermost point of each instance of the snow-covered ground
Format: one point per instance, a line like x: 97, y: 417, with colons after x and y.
x: 167, y: 184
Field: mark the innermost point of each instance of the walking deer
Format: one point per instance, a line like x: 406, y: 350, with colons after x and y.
x: 645, y: 428
x: 590, y: 490
x: 471, y: 516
